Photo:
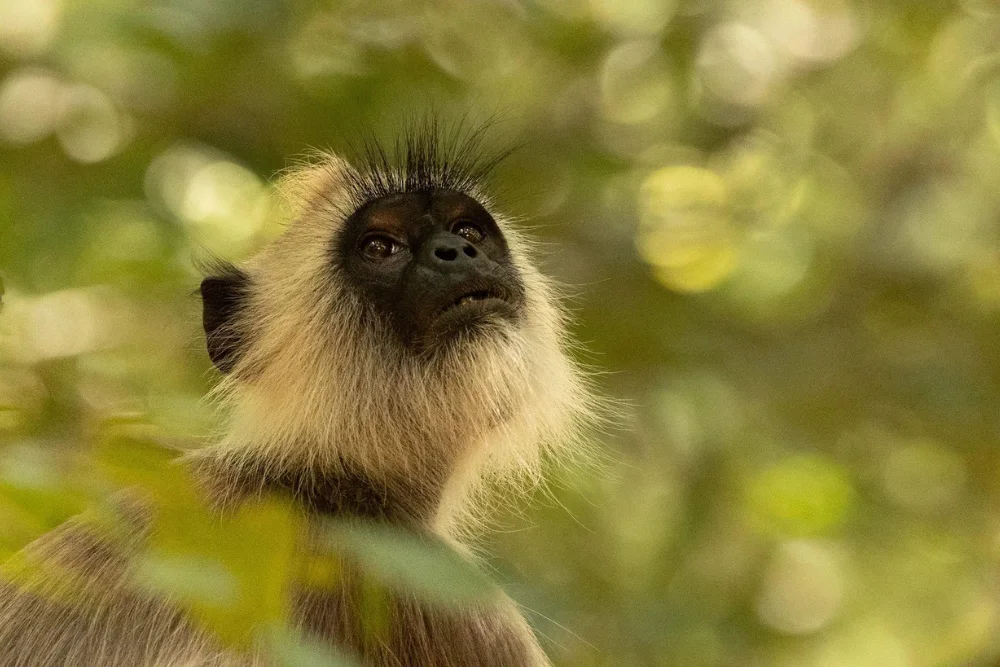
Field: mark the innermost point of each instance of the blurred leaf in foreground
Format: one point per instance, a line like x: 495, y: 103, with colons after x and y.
x: 290, y: 649
x: 422, y: 565
x: 234, y: 573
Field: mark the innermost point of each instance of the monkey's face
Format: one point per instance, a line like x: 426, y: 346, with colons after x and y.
x: 432, y: 264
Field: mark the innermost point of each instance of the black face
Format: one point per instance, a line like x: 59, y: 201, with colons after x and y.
x: 433, y: 264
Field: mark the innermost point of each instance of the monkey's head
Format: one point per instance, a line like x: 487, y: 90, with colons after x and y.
x: 398, y: 325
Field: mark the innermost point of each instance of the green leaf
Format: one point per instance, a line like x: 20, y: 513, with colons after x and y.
x: 248, y: 559
x: 233, y: 573
x: 291, y: 649
x: 129, y: 456
x: 424, y: 565
x: 190, y: 577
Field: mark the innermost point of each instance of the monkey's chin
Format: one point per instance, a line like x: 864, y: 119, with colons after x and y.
x: 466, y: 322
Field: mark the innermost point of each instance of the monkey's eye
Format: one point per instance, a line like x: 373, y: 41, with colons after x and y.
x: 377, y: 246
x: 469, y: 231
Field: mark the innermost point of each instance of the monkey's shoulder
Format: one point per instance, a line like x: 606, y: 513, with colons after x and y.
x: 68, y: 599
x: 417, y: 633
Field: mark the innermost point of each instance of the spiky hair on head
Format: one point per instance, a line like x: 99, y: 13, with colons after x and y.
x: 427, y: 155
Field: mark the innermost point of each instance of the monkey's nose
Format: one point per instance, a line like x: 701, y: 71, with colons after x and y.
x: 450, y: 252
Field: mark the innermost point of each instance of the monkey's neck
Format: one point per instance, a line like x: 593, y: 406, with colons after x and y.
x: 342, y: 491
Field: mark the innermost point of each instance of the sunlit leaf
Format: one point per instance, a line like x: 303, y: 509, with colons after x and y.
x: 130, y: 456
x: 192, y: 578
x: 248, y: 561
x: 424, y: 565
x: 291, y: 649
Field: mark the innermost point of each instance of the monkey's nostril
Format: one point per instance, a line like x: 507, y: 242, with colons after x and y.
x: 447, y: 254
x: 470, y: 251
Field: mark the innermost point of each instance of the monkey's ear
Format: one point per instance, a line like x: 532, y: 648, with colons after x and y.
x: 223, y: 297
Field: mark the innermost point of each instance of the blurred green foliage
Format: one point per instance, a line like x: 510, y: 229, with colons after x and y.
x: 781, y: 221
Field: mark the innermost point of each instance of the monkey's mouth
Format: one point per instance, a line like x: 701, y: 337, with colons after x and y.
x: 474, y: 308
x: 478, y: 296
x: 472, y: 305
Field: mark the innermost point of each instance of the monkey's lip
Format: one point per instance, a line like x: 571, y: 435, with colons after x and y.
x: 472, y: 304
x: 468, y: 310
x: 476, y: 296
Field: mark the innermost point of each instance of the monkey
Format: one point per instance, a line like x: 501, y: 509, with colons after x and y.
x: 394, y: 352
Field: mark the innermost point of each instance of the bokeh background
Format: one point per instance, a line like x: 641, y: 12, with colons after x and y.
x: 780, y: 220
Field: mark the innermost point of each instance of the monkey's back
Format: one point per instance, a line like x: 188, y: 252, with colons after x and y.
x: 421, y: 635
